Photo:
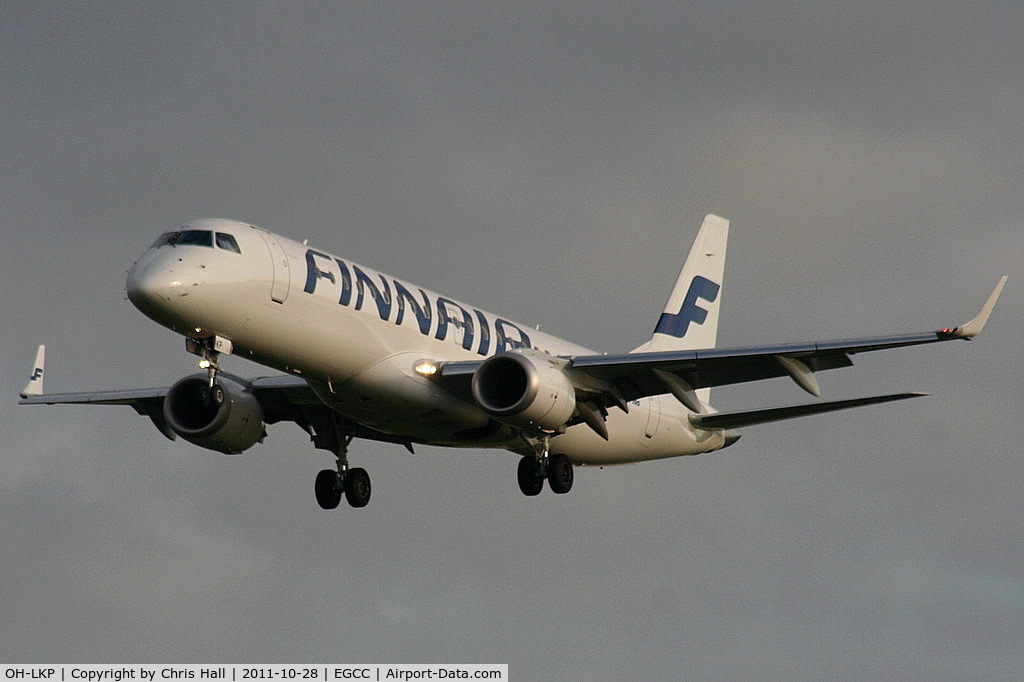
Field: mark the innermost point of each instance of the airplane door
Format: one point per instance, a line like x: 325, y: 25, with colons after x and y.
x: 282, y: 276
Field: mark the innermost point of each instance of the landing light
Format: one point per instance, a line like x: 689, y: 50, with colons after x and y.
x: 425, y: 368
x: 205, y: 364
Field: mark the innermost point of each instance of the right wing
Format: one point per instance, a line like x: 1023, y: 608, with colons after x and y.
x: 282, y: 398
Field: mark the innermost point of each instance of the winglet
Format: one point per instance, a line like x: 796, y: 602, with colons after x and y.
x: 35, y: 381
x: 973, y: 328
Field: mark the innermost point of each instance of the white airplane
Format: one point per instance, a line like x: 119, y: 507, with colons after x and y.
x: 365, y: 355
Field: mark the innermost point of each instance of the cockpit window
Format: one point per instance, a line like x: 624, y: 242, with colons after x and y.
x: 227, y: 242
x: 165, y: 239
x: 205, y: 238
x: 194, y: 238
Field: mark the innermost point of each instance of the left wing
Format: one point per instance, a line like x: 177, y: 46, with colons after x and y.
x: 618, y: 379
x: 637, y: 375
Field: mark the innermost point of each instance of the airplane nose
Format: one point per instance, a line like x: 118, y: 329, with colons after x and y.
x: 151, y: 285
x: 140, y: 286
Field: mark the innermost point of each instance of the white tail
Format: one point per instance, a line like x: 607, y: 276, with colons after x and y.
x: 690, y: 318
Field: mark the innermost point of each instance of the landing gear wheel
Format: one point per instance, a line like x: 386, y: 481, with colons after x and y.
x: 328, y: 489
x: 531, y: 480
x: 357, y: 487
x: 560, y: 474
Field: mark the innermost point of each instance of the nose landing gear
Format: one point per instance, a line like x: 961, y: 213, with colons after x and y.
x: 209, y: 350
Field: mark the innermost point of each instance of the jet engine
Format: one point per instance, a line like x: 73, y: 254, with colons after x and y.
x: 526, y: 389
x: 225, y: 418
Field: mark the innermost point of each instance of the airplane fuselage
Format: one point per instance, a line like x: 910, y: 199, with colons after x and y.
x: 362, y: 339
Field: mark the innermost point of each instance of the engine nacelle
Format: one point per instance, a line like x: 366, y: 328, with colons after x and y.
x: 226, y: 419
x: 524, y: 388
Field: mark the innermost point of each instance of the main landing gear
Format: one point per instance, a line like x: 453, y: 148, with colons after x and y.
x: 534, y: 469
x: 331, y: 484
x: 354, y: 484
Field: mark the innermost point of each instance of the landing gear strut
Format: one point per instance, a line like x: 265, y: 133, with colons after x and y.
x: 209, y: 350
x: 533, y: 469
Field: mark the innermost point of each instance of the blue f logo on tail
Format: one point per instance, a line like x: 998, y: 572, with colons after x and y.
x: 677, y: 325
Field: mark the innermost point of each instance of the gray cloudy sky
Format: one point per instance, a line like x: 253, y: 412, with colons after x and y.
x: 552, y: 164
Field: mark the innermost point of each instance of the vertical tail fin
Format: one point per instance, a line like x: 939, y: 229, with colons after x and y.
x: 690, y: 318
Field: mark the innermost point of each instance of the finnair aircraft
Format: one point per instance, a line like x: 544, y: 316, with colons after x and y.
x: 365, y: 355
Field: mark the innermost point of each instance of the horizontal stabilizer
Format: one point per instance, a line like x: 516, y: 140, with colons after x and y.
x: 734, y: 420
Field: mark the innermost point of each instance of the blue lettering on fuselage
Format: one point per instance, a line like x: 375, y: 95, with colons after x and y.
x: 485, y: 333
x: 678, y: 324
x: 454, y: 321
x: 383, y: 299
x: 423, y: 315
x: 463, y: 328
x: 504, y: 342
x: 314, y: 273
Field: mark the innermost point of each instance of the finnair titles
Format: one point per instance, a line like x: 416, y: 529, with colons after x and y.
x: 470, y: 330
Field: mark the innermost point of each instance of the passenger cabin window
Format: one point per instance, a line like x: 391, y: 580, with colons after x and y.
x: 205, y: 238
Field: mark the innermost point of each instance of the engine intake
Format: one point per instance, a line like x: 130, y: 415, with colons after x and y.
x: 526, y: 389
x: 226, y: 418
